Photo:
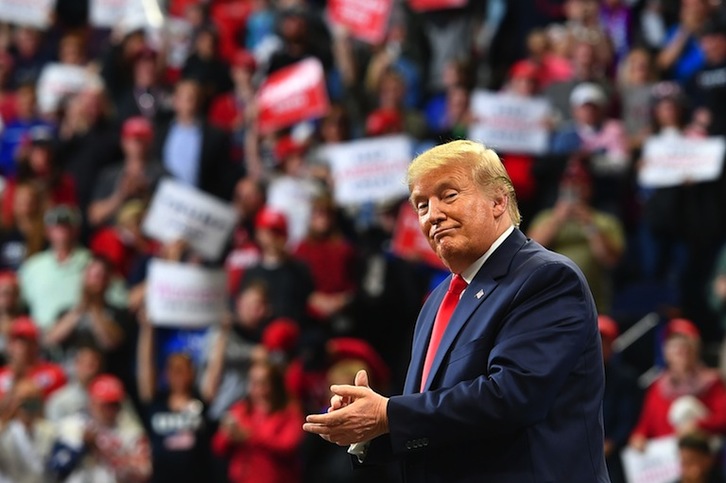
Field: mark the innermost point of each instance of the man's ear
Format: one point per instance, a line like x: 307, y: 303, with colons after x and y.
x: 500, y: 202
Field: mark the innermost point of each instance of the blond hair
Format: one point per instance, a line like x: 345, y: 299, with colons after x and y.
x: 487, y: 170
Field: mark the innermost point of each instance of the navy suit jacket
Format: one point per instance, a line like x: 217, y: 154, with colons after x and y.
x: 515, y: 391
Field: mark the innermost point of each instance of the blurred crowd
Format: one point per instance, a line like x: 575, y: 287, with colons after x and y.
x: 93, y: 389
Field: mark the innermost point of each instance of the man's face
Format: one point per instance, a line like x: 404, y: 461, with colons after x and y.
x: 60, y: 235
x: 22, y: 351
x: 185, y: 100
x: 714, y: 47
x: 105, y: 413
x: 695, y: 466
x: 458, y: 219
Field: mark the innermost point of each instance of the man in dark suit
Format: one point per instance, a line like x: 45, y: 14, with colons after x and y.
x: 513, y: 391
x: 193, y: 151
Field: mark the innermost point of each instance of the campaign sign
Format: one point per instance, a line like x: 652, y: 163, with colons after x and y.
x: 659, y: 462
x: 369, y: 169
x: 179, y: 211
x: 58, y: 81
x: 107, y: 13
x: 674, y: 160
x: 510, y: 123
x: 292, y: 94
x: 427, y: 5
x: 364, y: 19
x: 30, y: 13
x: 184, y: 295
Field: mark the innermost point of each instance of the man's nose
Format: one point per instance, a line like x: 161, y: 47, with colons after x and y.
x: 436, y: 213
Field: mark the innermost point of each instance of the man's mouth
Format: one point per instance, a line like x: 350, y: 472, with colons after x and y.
x: 439, y: 233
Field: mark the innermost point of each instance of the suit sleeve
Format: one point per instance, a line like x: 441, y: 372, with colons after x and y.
x: 543, y: 335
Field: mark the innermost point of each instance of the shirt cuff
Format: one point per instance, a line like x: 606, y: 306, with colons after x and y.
x: 359, y: 450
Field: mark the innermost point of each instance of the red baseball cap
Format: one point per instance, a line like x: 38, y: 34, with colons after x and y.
x: 24, y: 328
x: 524, y: 70
x: 244, y: 59
x: 342, y: 348
x: 138, y: 127
x: 281, y: 334
x: 272, y: 220
x: 607, y: 326
x: 286, y: 147
x: 682, y: 327
x: 106, y: 389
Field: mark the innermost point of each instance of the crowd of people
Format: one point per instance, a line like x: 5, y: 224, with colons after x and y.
x: 93, y: 389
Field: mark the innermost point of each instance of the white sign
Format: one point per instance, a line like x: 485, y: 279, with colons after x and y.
x: 659, y: 463
x: 179, y: 211
x: 510, y: 123
x: 58, y: 81
x: 125, y: 16
x: 182, y: 295
x: 671, y: 161
x: 370, y: 169
x: 179, y: 33
x: 293, y: 196
x: 31, y: 13
x: 107, y: 13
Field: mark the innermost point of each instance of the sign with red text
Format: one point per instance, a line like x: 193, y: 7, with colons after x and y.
x: 182, y: 212
x: 674, y: 160
x: 659, y: 463
x: 293, y: 94
x: 184, y: 295
x: 426, y: 5
x: 31, y: 13
x: 364, y: 19
x: 409, y: 242
x: 58, y: 81
x: 510, y: 123
x: 369, y: 170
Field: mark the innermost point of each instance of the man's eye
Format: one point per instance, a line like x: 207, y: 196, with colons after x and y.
x: 422, y: 206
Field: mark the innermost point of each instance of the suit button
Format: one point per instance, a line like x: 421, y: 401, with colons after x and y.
x: 425, y: 441
x: 408, y: 445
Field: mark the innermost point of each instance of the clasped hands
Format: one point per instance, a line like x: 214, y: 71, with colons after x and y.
x: 356, y: 414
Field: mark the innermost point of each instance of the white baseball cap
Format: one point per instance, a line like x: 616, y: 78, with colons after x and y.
x: 588, y: 93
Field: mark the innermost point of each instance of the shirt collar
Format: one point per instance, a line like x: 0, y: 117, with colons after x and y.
x: 473, y: 269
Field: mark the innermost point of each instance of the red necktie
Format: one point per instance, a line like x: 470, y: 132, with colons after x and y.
x: 448, y: 304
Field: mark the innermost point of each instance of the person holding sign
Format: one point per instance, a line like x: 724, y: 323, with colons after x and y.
x: 686, y: 382
x: 506, y: 378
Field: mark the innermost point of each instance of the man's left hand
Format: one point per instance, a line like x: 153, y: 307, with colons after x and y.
x: 363, y: 418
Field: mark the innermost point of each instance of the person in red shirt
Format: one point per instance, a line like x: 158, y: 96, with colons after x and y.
x: 262, y: 433
x: 331, y: 259
x: 686, y: 387
x: 25, y: 363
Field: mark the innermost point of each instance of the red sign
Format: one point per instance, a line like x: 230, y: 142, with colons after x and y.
x: 364, y: 19
x: 408, y: 241
x: 426, y: 5
x: 291, y: 95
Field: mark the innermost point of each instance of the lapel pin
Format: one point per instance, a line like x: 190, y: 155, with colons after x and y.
x: 480, y: 294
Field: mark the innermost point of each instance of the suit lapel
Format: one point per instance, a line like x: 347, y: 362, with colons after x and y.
x: 484, y: 283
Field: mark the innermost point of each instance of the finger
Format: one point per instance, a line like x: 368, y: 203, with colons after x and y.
x: 352, y: 392
x: 361, y: 378
x: 337, y: 402
x: 325, y: 419
x: 316, y: 428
